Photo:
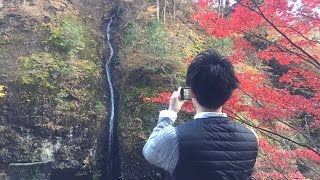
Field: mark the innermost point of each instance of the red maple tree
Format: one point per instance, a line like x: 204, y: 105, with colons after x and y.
x: 276, y: 47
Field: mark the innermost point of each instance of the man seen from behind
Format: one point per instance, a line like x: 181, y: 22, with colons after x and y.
x: 211, y: 146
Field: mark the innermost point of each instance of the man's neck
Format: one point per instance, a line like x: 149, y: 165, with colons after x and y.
x: 200, y: 109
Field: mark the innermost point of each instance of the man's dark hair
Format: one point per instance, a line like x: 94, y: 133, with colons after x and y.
x: 212, y: 79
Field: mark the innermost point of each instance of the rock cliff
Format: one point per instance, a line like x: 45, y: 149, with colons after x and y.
x: 54, y: 103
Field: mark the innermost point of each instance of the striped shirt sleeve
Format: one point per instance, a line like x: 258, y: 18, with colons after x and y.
x: 161, y: 149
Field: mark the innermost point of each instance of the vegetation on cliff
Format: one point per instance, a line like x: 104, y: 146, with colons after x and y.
x: 54, y: 105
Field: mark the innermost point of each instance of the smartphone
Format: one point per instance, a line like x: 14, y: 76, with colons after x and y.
x: 185, y: 93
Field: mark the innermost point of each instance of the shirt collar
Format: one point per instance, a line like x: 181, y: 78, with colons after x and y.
x: 209, y: 114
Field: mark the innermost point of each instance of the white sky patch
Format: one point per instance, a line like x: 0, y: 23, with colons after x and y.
x: 297, y: 4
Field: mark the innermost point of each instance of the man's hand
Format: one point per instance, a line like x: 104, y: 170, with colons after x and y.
x: 175, y: 104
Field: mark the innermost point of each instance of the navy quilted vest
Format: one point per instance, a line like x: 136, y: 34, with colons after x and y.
x: 215, y: 148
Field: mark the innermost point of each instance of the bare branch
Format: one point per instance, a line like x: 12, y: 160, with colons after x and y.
x: 304, y: 37
x: 285, y: 36
x: 246, y: 121
x: 294, y: 155
x: 285, y: 49
x: 295, y: 129
x: 314, y: 61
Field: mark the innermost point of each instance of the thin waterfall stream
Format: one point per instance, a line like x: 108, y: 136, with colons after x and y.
x: 113, y: 169
x: 111, y: 90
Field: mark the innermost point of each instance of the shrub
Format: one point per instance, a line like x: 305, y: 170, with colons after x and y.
x: 157, y: 40
x: 148, y: 46
x: 69, y: 36
x: 223, y: 45
x: 132, y: 33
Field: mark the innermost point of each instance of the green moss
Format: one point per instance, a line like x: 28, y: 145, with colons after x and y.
x: 61, y: 96
x: 86, y: 67
x: 43, y: 69
x: 74, y: 83
x: 100, y: 107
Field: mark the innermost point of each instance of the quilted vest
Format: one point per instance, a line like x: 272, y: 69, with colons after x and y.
x: 215, y: 148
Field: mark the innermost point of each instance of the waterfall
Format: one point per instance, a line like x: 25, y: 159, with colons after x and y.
x: 111, y: 90
x: 112, y: 119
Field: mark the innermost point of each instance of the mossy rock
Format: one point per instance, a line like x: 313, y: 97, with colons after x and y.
x: 43, y: 69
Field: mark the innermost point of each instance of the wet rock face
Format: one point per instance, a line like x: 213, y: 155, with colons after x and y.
x: 34, y: 171
x: 69, y: 151
x: 3, y: 176
x: 60, y: 123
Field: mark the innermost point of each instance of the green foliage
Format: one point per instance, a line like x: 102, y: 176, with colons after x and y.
x: 193, y: 46
x: 153, y: 39
x: 70, y: 36
x: 223, y: 45
x: 61, y: 96
x: 100, y: 107
x: 51, y: 71
x: 132, y: 32
x: 148, y: 46
x: 157, y: 40
x: 43, y: 69
x: 85, y: 68
x: 199, y: 46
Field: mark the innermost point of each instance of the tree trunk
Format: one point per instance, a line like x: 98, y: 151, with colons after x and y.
x: 174, y: 10
x: 164, y: 11
x: 219, y: 7
x: 158, y: 9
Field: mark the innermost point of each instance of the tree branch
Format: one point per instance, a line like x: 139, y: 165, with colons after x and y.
x: 245, y: 121
x: 295, y: 129
x: 294, y: 155
x: 304, y: 37
x: 285, y: 36
x: 285, y: 49
x: 259, y: 12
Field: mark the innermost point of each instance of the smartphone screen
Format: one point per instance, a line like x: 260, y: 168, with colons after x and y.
x: 185, y: 93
